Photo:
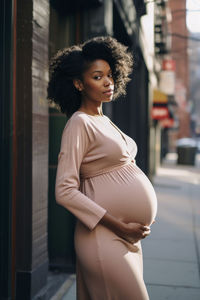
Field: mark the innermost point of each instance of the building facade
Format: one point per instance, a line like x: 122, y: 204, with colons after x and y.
x: 179, y: 53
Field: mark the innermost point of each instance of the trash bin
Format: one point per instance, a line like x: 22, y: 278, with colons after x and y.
x: 186, y: 155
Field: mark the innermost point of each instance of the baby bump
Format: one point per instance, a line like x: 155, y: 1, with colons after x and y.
x: 125, y: 193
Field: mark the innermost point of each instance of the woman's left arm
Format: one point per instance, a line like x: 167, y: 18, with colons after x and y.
x: 74, y: 145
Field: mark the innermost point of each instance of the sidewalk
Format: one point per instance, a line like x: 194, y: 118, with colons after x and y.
x: 172, y: 252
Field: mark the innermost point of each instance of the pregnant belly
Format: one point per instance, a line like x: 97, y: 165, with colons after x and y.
x: 125, y: 193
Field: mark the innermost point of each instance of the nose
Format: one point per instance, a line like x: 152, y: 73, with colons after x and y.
x: 108, y: 81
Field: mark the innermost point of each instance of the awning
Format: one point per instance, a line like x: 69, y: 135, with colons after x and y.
x: 159, y: 97
x: 159, y: 110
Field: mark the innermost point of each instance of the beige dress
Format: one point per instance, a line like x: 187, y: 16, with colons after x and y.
x: 97, y: 173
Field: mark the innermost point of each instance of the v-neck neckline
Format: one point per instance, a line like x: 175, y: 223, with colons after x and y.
x: 100, y: 117
x: 121, y: 133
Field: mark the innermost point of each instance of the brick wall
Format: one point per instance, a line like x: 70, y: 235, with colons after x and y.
x: 179, y: 54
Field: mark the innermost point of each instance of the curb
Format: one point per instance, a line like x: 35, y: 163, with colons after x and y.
x: 64, y: 288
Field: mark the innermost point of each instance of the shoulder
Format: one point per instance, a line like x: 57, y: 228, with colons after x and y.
x: 77, y: 120
x: 80, y: 117
x: 80, y: 124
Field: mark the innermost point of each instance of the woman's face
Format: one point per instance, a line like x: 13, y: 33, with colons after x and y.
x: 97, y: 83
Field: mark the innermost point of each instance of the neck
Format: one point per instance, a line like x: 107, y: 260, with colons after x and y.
x: 92, y: 109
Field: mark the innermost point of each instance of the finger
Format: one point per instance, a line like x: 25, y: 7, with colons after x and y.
x: 145, y: 228
x: 143, y: 236
x: 146, y: 233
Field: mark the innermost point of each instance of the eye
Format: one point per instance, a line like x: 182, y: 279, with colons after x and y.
x: 110, y: 75
x: 97, y: 77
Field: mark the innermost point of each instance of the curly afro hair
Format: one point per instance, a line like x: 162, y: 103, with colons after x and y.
x: 70, y: 63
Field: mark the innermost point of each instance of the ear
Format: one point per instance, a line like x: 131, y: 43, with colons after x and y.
x: 78, y: 84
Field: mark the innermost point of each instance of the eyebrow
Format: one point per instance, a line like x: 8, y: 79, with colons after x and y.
x: 97, y: 71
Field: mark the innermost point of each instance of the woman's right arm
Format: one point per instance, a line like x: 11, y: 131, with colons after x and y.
x: 132, y: 232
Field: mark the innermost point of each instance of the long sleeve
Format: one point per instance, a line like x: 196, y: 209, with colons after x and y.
x: 74, y: 145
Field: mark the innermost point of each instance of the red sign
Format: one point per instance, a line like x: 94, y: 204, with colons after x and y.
x: 159, y: 113
x: 168, y: 65
x: 167, y: 123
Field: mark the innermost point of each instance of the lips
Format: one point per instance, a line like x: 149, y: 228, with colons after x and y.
x: 108, y: 92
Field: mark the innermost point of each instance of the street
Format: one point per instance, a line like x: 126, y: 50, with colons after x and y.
x: 172, y: 251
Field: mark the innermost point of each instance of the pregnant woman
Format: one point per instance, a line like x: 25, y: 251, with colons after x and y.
x: 97, y: 177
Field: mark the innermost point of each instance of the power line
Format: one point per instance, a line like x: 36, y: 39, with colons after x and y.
x: 178, y: 35
x: 184, y: 10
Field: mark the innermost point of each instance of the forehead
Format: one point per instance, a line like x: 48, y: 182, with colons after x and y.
x: 98, y: 65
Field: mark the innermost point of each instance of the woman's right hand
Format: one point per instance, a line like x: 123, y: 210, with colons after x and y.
x: 131, y: 232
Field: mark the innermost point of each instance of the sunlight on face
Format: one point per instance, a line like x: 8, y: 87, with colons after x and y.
x: 98, y: 83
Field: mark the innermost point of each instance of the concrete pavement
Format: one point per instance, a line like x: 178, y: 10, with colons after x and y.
x: 172, y: 251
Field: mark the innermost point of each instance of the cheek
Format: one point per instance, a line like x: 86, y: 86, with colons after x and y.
x: 93, y: 88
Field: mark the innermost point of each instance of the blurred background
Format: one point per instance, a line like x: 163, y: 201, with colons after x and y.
x: 161, y: 111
